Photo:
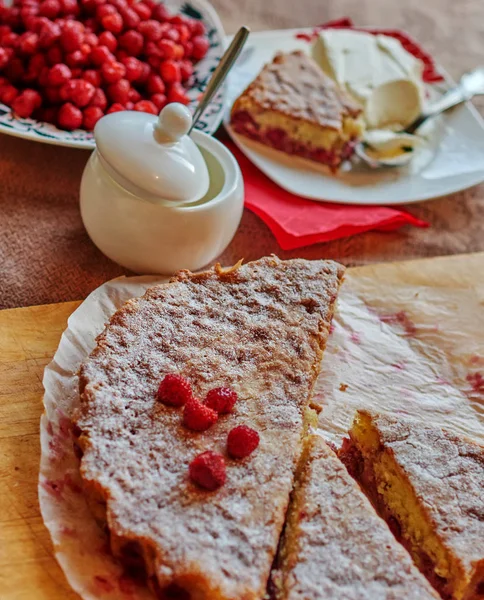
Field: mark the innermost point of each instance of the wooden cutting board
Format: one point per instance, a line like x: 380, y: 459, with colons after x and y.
x: 28, y: 340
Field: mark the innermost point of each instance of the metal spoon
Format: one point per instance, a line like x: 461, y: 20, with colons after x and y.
x: 471, y: 84
x: 221, y: 72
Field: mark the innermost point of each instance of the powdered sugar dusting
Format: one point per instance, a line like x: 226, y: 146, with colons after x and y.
x: 343, y: 550
x: 245, y: 329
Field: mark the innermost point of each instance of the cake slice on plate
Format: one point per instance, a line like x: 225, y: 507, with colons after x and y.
x: 429, y: 484
x: 335, y: 545
x: 292, y: 106
x: 258, y: 330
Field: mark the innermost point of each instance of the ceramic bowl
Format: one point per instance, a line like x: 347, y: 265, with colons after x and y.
x: 151, y: 238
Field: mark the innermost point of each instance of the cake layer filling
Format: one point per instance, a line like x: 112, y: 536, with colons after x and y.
x: 328, y: 149
x: 394, y: 497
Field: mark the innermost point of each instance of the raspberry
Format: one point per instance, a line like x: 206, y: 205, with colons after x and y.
x: 172, y: 34
x: 103, y: 10
x: 155, y: 85
x: 50, y: 8
x: 113, y: 23
x: 160, y: 12
x: 69, y: 117
x: 113, y: 71
x: 119, y: 4
x: 93, y: 77
x: 145, y: 73
x: 242, y: 441
x: 119, y: 91
x: 208, y: 470
x: 134, y: 96
x: 76, y: 59
x: 65, y: 91
x: 200, y: 47
x: 70, y: 7
x: 8, y: 94
x: 197, y: 416
x: 133, y: 68
x: 28, y: 43
x: 4, y: 58
x: 72, y: 36
x: 115, y: 108
x: 170, y: 71
x: 184, y: 32
x: 106, y: 38
x: 174, y: 390
x: 26, y: 103
x: 91, y: 116
x: 9, y: 39
x: 221, y: 399
x: 167, y: 48
x: 131, y: 41
x: 99, y: 99
x: 82, y: 92
x: 143, y: 10
x: 178, y: 52
x: 177, y: 94
x: 151, y: 30
x: 159, y: 100
x: 59, y: 74
x: 91, y: 39
x: 186, y: 69
x: 129, y: 105
x: 36, y: 64
x: 130, y: 18
x: 48, y: 35
x: 197, y: 27
x: 100, y: 55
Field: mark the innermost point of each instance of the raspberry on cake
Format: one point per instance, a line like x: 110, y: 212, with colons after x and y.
x: 429, y: 484
x: 335, y: 545
x: 258, y: 329
x: 292, y: 106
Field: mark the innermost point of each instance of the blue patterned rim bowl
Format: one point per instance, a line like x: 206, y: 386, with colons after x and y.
x: 47, y: 133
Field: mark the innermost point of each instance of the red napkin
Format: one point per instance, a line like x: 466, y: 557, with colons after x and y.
x: 297, y: 222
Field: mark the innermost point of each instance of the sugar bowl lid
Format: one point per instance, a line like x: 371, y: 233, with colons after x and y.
x: 153, y: 157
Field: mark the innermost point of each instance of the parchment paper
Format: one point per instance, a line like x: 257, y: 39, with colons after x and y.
x: 408, y: 348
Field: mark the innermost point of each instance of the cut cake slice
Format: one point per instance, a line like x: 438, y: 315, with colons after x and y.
x: 293, y: 107
x: 429, y: 484
x: 335, y: 545
x: 259, y: 329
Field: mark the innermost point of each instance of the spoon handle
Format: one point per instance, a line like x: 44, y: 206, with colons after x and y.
x: 221, y: 72
x: 470, y: 85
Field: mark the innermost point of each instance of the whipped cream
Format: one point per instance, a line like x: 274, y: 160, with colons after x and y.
x: 377, y: 71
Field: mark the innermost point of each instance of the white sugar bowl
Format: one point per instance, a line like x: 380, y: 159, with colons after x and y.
x: 156, y: 200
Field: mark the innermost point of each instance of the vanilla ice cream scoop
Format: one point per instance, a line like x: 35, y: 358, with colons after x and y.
x: 377, y: 71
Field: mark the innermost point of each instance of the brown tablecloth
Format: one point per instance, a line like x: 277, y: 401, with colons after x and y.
x: 46, y: 256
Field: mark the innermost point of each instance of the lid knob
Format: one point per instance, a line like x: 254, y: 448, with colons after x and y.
x: 173, y: 123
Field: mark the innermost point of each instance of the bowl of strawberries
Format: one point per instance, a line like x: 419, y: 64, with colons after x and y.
x: 66, y: 63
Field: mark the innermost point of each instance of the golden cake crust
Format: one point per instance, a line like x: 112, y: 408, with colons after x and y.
x: 293, y: 85
x: 446, y: 472
x: 259, y: 328
x: 335, y: 545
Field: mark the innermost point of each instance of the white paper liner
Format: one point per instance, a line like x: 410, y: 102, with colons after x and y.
x: 404, y: 349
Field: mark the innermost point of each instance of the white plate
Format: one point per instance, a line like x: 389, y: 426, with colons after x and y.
x: 453, y: 160
x: 199, y: 9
